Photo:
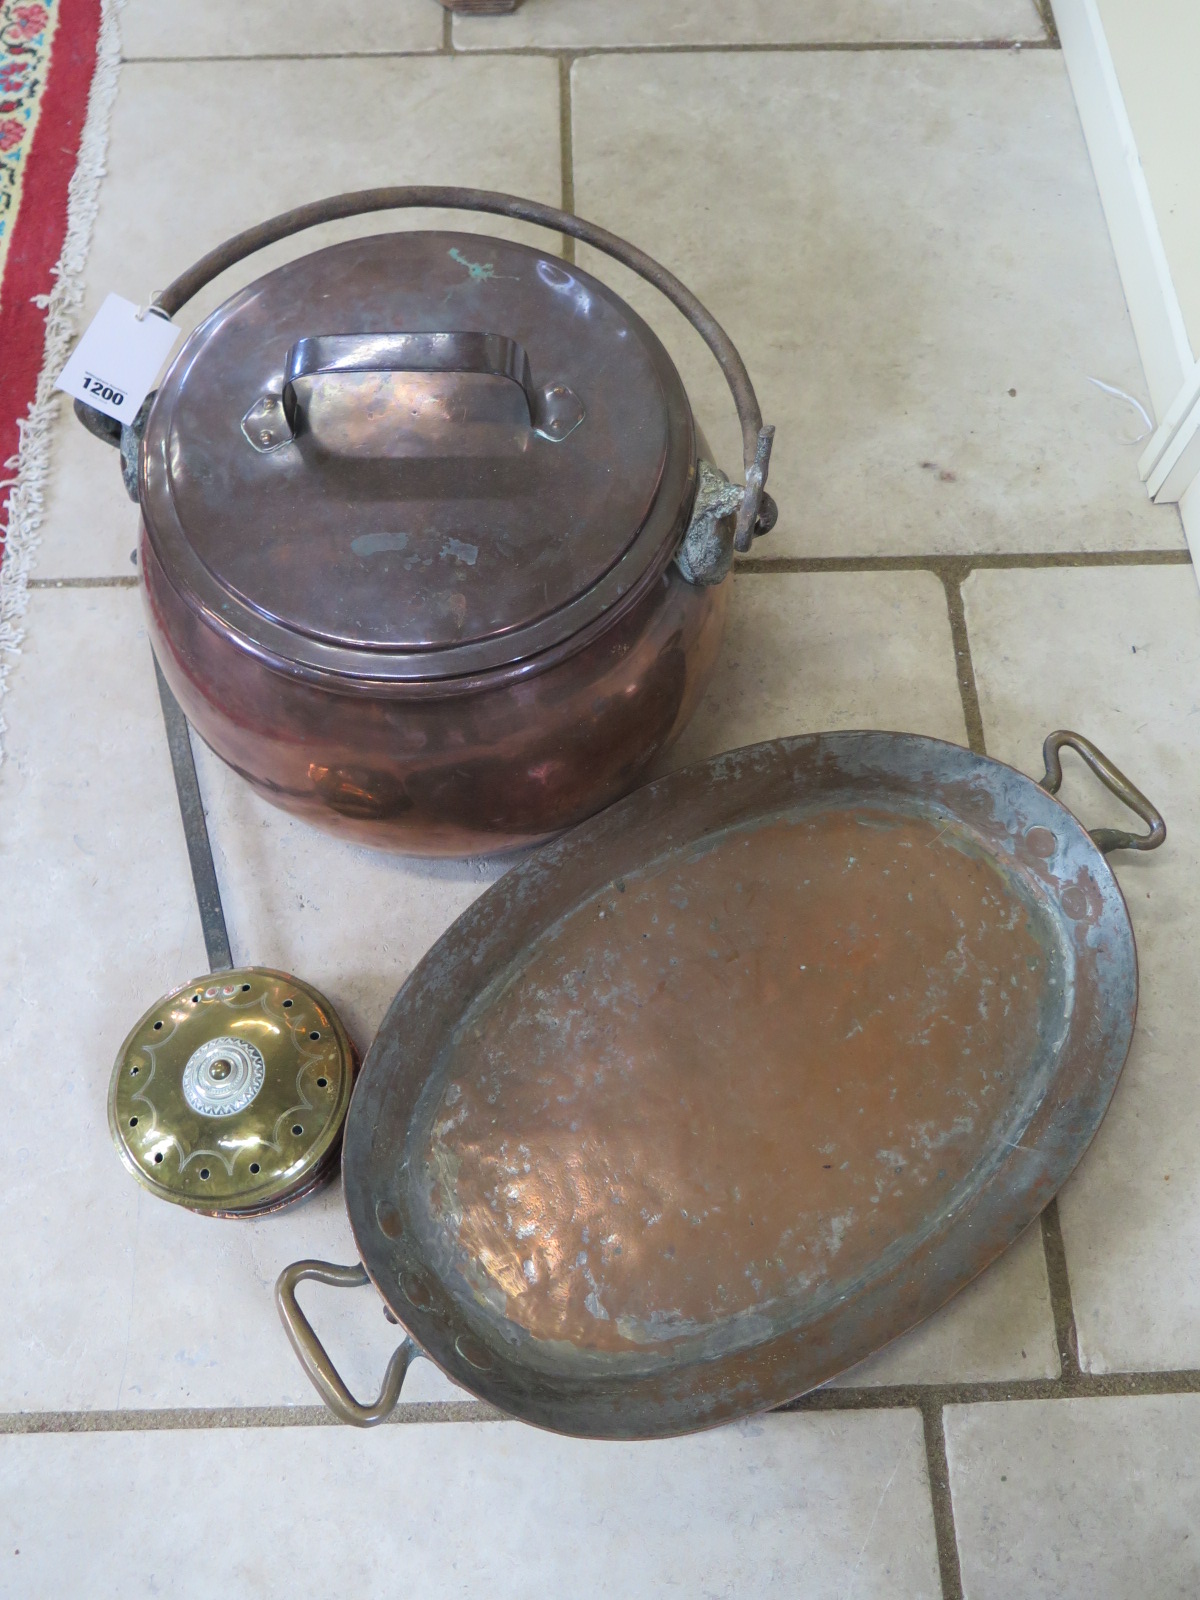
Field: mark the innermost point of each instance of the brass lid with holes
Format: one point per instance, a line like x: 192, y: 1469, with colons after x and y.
x: 229, y: 1095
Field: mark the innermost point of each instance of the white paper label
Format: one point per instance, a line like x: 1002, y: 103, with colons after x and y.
x: 114, y: 365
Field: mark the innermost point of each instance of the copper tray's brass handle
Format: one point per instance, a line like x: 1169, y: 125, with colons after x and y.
x: 274, y: 420
x: 1115, y: 781
x: 312, y: 1353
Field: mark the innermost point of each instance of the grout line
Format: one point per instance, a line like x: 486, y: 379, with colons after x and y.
x: 943, y: 1502
x: 198, y: 1418
x: 84, y: 583
x: 195, y: 830
x: 799, y: 48
x: 566, y: 147
x: 998, y: 1391
x: 1046, y: 12
x: 816, y: 47
x: 952, y: 576
x: 447, y: 33
x: 1066, y: 1334
x: 432, y: 54
x: 932, y: 562
x: 760, y: 566
x: 882, y: 1397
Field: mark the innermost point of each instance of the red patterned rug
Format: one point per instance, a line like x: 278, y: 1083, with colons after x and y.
x: 47, y: 60
x: 59, y: 61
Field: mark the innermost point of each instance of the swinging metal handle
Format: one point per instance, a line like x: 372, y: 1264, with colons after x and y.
x: 1115, y: 781
x: 757, y: 513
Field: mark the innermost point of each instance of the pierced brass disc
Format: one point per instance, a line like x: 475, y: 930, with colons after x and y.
x: 228, y: 1097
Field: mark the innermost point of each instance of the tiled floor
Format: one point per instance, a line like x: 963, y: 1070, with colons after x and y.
x: 907, y: 243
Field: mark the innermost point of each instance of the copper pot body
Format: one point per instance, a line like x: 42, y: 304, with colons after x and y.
x: 471, y: 766
x: 412, y: 512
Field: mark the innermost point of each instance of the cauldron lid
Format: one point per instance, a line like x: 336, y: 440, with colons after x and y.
x: 417, y: 455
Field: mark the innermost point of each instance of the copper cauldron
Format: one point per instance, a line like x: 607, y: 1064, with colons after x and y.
x: 431, y: 550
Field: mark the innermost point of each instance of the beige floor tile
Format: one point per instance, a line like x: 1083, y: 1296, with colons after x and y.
x: 197, y: 1324
x: 1001, y: 1326
x: 351, y: 920
x: 278, y: 28
x: 824, y: 1507
x: 1077, y: 1499
x: 170, y: 196
x: 812, y: 651
x: 590, y: 24
x: 90, y: 526
x: 1116, y: 654
x: 116, y: 1299
x: 896, y: 240
x: 99, y: 917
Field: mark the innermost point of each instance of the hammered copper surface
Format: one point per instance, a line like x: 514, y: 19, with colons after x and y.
x: 278, y: 1138
x: 612, y: 1171
x: 738, y: 1081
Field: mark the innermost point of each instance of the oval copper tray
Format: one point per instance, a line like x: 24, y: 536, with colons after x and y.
x: 733, y: 1084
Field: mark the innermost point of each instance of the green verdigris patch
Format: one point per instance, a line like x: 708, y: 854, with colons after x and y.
x: 479, y: 270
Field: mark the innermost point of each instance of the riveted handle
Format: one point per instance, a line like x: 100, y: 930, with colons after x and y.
x: 554, y: 412
x: 1115, y: 781
x: 312, y: 1353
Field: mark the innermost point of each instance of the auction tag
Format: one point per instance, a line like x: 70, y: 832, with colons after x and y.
x: 116, y: 362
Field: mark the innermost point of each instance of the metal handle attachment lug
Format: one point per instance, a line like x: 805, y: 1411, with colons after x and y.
x: 313, y: 1356
x: 126, y: 436
x: 1115, y: 781
x: 705, y: 554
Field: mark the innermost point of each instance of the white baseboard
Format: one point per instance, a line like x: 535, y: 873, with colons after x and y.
x: 1170, y: 465
x: 1189, y: 513
x: 1172, y: 458
x: 1154, y: 308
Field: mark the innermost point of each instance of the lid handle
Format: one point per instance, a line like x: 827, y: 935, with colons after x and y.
x: 554, y: 411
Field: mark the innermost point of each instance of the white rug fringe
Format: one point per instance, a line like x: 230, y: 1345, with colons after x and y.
x: 24, y: 506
